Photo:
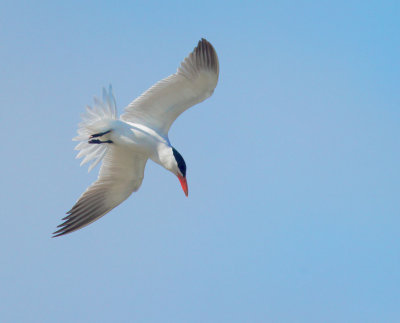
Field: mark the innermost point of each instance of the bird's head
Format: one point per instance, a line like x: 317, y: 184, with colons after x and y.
x: 170, y: 159
x: 179, y: 169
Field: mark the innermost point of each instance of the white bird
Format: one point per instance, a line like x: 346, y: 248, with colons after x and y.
x: 124, y: 145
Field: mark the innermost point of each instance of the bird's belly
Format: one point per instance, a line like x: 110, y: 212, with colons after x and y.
x: 134, y: 138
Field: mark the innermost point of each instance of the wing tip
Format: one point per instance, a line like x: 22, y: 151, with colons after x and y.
x: 207, y: 54
x: 203, y: 57
x: 65, y: 228
x: 58, y: 233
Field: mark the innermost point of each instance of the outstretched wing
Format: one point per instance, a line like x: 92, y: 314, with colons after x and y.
x: 121, y: 174
x: 194, y: 81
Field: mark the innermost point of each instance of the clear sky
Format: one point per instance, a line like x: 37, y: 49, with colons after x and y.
x: 293, y: 213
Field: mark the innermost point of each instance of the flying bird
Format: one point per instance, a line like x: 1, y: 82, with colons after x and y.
x: 124, y: 144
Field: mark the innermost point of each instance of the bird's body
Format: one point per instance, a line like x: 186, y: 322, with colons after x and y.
x: 137, y: 137
x: 124, y: 145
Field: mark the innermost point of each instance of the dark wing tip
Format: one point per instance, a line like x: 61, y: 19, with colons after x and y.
x: 206, y: 52
x: 64, y: 229
x: 80, y: 216
x: 202, y: 58
x: 55, y: 235
x: 67, y: 227
x: 59, y: 232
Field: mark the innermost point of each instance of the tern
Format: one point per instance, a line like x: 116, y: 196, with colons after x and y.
x: 124, y: 144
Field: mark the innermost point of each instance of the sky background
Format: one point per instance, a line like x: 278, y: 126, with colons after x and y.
x: 293, y: 213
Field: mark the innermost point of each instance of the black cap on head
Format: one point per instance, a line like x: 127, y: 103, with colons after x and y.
x: 179, y: 161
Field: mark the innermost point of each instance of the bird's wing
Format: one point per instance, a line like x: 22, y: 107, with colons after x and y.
x: 194, y: 81
x: 121, y: 173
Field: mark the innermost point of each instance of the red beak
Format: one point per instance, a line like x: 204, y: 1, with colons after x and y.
x: 184, y: 184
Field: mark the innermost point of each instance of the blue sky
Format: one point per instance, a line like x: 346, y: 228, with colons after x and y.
x: 293, y: 164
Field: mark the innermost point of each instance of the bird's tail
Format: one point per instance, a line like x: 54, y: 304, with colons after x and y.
x: 95, y: 120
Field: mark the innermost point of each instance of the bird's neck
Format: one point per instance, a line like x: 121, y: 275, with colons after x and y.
x: 164, y: 156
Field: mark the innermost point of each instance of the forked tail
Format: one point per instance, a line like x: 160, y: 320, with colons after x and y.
x: 96, y: 122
